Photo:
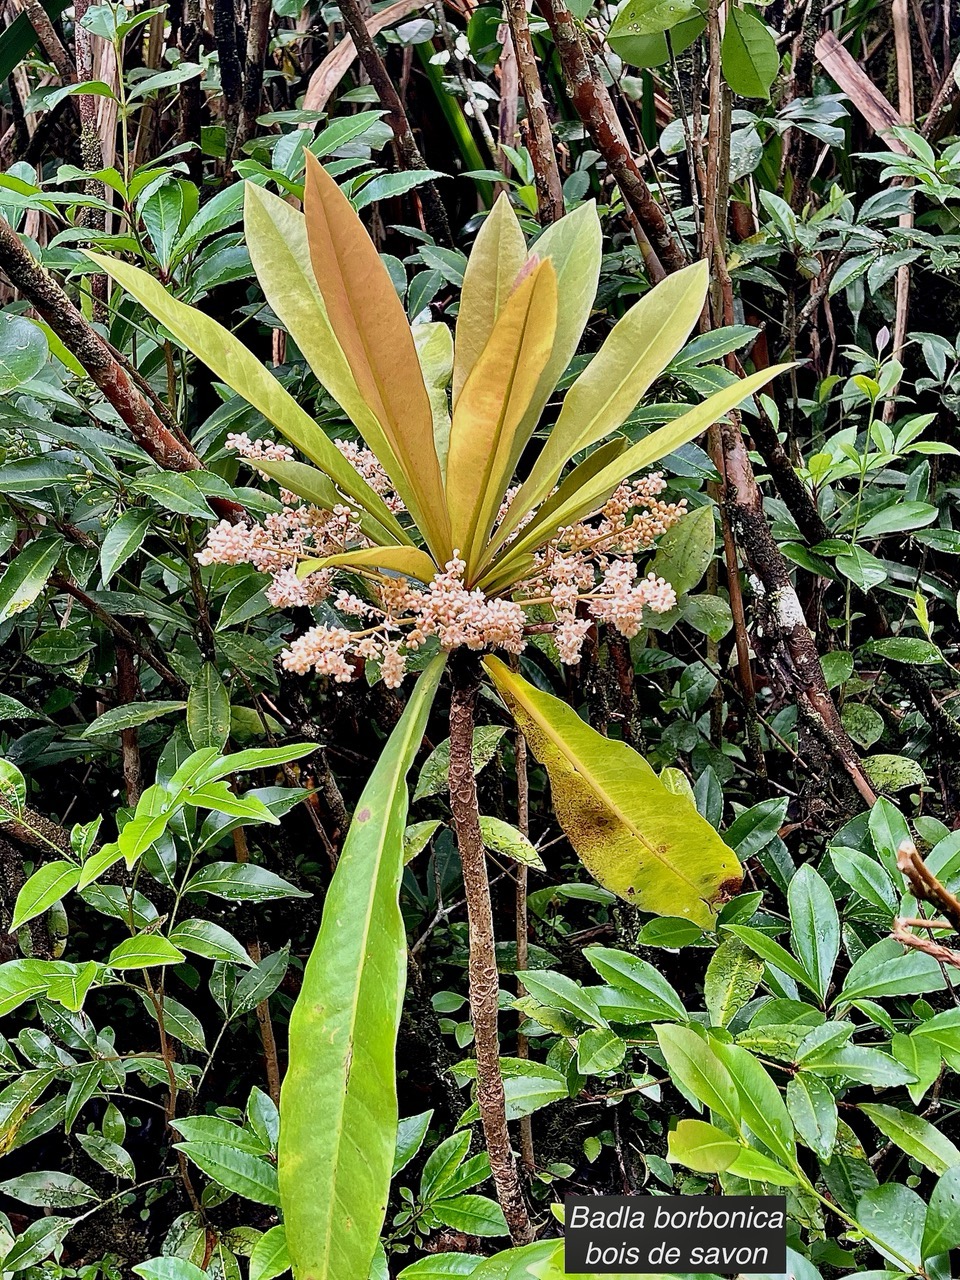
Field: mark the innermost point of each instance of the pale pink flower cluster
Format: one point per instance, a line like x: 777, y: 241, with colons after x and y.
x: 587, y: 574
x: 366, y: 462
x: 283, y: 540
x: 253, y: 449
x: 590, y: 566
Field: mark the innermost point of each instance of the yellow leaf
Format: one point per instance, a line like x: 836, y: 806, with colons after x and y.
x: 702, y: 1147
x: 635, y: 837
x: 494, y: 399
x: 573, y: 244
x: 498, y: 254
x: 248, y: 377
x: 636, y: 351
x: 644, y: 453
x: 410, y: 561
x: 371, y: 327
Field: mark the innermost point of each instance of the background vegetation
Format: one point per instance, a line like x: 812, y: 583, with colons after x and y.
x: 800, y: 696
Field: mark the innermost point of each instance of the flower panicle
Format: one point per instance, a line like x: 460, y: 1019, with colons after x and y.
x: 586, y: 574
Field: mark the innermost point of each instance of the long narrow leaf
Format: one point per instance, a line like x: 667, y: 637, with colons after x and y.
x: 243, y: 373
x: 407, y: 560
x: 496, y: 258
x: 643, y: 454
x: 338, y: 1105
x: 573, y: 245
x: 372, y: 329
x: 491, y: 406
x: 636, y: 351
x: 280, y: 252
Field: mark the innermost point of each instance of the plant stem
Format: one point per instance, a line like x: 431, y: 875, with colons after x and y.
x: 484, y: 978
x: 408, y: 153
x: 538, y: 136
x: 593, y: 104
x: 527, y: 1152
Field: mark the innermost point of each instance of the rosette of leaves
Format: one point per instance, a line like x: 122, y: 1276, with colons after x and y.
x: 520, y: 320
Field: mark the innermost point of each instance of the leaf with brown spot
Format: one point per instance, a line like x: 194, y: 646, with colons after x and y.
x: 635, y: 837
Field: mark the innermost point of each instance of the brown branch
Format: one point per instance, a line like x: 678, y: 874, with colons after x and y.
x: 929, y: 62
x: 122, y: 634
x: 408, y: 153
x: 483, y: 972
x: 258, y: 41
x: 595, y: 108
x: 91, y: 150
x: 936, y: 950
x: 128, y: 690
x: 509, y: 77
x: 264, y: 1020
x: 538, y: 137
x: 925, y: 886
x: 527, y: 1151
x: 51, y: 303
x: 791, y: 488
x: 943, y: 110
x: 784, y: 630
x: 52, y: 45
x: 33, y: 830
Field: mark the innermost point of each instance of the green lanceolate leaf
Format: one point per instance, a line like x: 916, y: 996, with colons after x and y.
x: 813, y: 1111
x: 45, y: 887
x: 698, y: 1070
x: 638, y: 349
x: 761, y: 1105
x: 732, y: 976
x: 121, y: 541
x: 270, y: 1257
x: 129, y: 716
x: 339, y: 1100
x: 634, y: 836
x: 914, y: 1135
x: 814, y: 927
x: 241, y: 370
x: 26, y: 576
x: 941, y: 1230
x: 208, y: 709
x: 143, y: 951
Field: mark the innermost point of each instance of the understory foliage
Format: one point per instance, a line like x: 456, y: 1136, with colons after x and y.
x: 478, y: 597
